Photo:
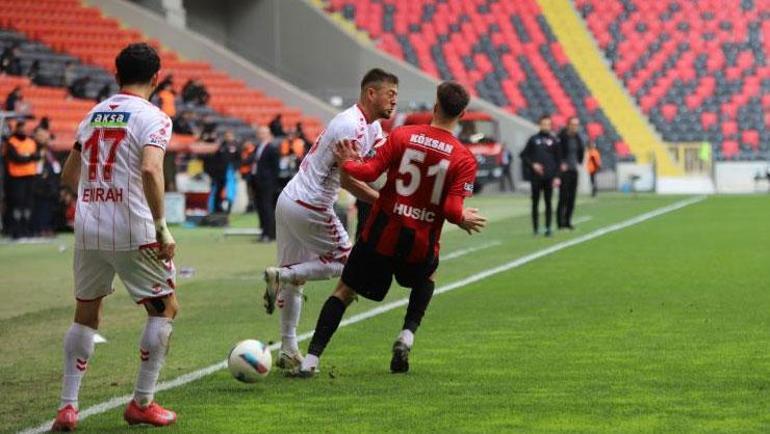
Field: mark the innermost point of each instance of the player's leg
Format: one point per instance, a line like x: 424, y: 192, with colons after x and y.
x: 547, y: 194
x: 535, y: 184
x: 420, y: 278
x: 328, y: 321
x: 289, y: 301
x: 367, y: 274
x: 150, y: 282
x: 321, y: 233
x: 93, y: 281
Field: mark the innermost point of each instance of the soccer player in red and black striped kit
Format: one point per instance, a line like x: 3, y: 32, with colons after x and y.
x: 429, y: 173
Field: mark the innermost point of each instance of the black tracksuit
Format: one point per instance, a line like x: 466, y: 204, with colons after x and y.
x: 542, y: 148
x: 572, y: 151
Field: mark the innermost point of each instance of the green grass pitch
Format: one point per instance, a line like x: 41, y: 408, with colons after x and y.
x: 662, y: 326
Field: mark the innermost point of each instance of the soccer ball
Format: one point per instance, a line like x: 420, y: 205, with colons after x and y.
x: 249, y: 361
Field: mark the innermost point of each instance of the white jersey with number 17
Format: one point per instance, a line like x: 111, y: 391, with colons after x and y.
x: 112, y: 211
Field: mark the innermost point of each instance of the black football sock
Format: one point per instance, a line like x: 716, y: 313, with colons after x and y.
x: 328, y: 321
x: 418, y: 303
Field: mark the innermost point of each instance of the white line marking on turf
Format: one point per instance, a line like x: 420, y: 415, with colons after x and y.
x: 196, y: 375
x: 462, y: 252
x: 582, y: 219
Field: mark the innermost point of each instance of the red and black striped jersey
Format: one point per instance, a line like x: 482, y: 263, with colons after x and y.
x: 427, y: 168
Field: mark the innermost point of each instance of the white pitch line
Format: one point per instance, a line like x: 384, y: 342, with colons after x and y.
x: 463, y: 252
x: 196, y: 375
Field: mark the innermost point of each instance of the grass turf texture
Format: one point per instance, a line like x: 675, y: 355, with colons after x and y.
x: 661, y: 326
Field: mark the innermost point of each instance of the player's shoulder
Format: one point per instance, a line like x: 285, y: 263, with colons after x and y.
x: 347, y: 122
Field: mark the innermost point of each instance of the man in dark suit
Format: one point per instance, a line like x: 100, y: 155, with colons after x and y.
x: 264, y: 181
x: 572, y: 151
x: 541, y: 158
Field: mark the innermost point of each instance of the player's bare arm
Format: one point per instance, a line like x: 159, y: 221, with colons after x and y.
x: 70, y: 175
x: 153, y: 184
x: 346, y: 150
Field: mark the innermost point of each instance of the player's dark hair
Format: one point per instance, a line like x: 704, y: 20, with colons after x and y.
x: 543, y: 117
x: 376, y: 76
x: 137, y: 64
x: 452, y: 98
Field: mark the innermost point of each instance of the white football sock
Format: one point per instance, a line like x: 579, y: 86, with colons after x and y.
x: 290, y: 302
x: 406, y: 336
x: 310, y: 363
x: 152, y: 352
x: 311, y: 270
x: 78, y: 347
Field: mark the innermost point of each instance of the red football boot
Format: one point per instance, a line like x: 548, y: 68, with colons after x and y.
x: 66, y: 419
x: 153, y: 414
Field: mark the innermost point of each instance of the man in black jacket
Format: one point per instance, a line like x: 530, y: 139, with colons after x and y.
x: 572, y: 157
x: 541, y: 156
x: 264, y: 181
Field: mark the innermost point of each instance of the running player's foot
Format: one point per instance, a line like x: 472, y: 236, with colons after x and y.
x: 289, y: 360
x: 66, y: 420
x: 271, y: 288
x: 153, y: 414
x: 298, y: 372
x: 400, y: 361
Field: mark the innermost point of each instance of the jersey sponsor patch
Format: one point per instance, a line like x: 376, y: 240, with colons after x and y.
x: 158, y: 139
x: 430, y: 142
x: 110, y: 119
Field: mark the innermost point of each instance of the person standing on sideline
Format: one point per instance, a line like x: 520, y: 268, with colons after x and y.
x: 116, y: 166
x: 22, y: 155
x: 572, y: 151
x: 507, y: 177
x: 264, y: 181
x: 594, y: 165
x: 541, y: 156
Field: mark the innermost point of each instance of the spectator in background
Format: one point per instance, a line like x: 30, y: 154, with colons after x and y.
x: 46, y: 188
x: 594, y: 165
x: 507, y: 177
x: 300, y: 132
x: 33, y: 73
x: 572, y: 151
x: 44, y: 124
x: 221, y: 167
x: 65, y: 217
x: 14, y: 102
x: 79, y: 87
x: 264, y: 162
x: 69, y: 75
x: 540, y: 159
x: 21, y: 155
x: 276, y: 126
x: 186, y: 124
x: 104, y: 93
x: 194, y: 92
x: 209, y: 132
x: 10, y: 63
x: 167, y: 99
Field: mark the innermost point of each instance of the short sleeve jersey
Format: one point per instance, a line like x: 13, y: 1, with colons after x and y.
x: 112, y: 211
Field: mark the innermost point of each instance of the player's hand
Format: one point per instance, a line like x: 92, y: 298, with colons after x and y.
x: 345, y: 150
x: 472, y: 221
x: 564, y: 167
x: 556, y: 182
x: 167, y: 247
x: 538, y: 168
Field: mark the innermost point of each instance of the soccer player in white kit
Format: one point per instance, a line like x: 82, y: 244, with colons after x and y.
x: 312, y: 243
x: 116, y: 165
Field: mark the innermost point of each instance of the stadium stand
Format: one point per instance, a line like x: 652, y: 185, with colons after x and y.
x: 58, y: 32
x: 697, y: 70
x: 504, y: 51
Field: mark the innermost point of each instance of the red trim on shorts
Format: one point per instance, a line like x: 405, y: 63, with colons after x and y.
x: 308, y: 206
x: 155, y: 245
x: 146, y: 299
x: 171, y: 283
x: 344, y: 249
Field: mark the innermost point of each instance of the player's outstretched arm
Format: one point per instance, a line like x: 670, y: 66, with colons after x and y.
x: 70, y: 175
x: 153, y: 184
x: 472, y: 221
